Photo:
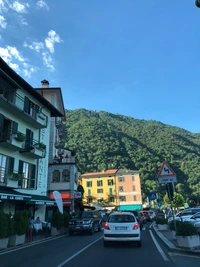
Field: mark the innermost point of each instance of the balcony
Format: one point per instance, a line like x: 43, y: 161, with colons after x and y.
x: 111, y: 194
x: 8, y: 139
x: 28, y: 112
x: 60, y: 186
x: 34, y: 149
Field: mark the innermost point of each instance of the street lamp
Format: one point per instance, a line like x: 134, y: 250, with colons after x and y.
x: 197, y: 3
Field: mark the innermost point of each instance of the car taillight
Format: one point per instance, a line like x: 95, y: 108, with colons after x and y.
x: 135, y: 226
x: 106, y: 226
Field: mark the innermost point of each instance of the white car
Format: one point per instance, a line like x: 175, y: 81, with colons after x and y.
x: 122, y: 226
x: 184, y: 215
x: 195, y: 219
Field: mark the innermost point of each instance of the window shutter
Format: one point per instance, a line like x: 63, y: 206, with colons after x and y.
x: 26, y: 104
x: 1, y: 120
x: 14, y: 127
x: 20, y: 167
x: 32, y: 176
x: 11, y: 164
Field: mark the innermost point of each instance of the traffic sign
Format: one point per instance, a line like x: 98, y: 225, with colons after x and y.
x: 166, y: 174
x: 77, y: 195
x: 152, y: 196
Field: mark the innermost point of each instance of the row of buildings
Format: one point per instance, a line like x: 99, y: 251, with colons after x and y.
x: 33, y: 162
x: 118, y: 188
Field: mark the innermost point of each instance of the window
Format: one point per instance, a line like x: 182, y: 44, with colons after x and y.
x: 6, y: 167
x: 29, y: 139
x: 89, y: 184
x: 89, y: 200
x: 89, y: 192
x: 99, y: 183
x: 121, y: 189
x: 100, y: 200
x: 100, y: 191
x: 28, y: 171
x: 121, y: 179
x: 133, y: 178
x: 135, y: 198
x: 66, y: 176
x: 7, y: 128
x: 134, y: 188
x: 56, y: 176
x: 110, y: 191
x: 111, y: 199
x: 110, y: 182
x: 122, y: 198
x: 121, y: 218
x: 31, y: 108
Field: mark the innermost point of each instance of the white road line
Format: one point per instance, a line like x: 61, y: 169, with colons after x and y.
x: 151, y: 225
x: 30, y: 245
x: 79, y: 252
x: 158, y: 247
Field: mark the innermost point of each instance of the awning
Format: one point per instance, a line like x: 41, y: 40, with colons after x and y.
x: 11, y: 194
x: 41, y: 200
x: 130, y: 207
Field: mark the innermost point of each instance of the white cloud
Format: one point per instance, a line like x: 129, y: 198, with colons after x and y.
x: 47, y: 59
x: 4, y: 53
x: 23, y: 22
x: 15, y: 53
x: 19, y: 7
x: 15, y: 66
x: 29, y: 71
x: 52, y: 38
x: 37, y: 46
x: 42, y: 4
x: 2, y: 7
x: 3, y: 22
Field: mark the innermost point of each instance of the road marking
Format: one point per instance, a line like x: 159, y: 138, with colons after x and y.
x: 79, y: 252
x: 144, y: 228
x: 184, y: 255
x: 151, y: 225
x: 158, y: 247
x: 30, y: 245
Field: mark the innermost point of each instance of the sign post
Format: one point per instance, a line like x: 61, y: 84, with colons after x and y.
x: 167, y: 176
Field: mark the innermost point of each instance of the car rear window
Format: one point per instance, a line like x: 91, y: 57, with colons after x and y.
x: 118, y: 218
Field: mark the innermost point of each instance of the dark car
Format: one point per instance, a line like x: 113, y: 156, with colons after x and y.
x: 147, y: 215
x: 86, y: 221
x: 139, y: 216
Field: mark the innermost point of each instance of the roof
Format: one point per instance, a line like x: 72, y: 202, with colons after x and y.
x: 4, y: 67
x: 108, y: 172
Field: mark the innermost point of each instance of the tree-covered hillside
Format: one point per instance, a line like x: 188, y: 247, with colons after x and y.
x: 103, y: 140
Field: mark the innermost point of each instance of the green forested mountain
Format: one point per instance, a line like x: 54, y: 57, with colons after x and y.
x: 103, y: 140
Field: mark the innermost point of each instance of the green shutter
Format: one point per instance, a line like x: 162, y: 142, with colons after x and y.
x: 11, y: 164
x: 14, y: 127
x: 32, y: 176
x: 89, y: 192
x: 1, y: 120
x: 26, y: 104
x: 20, y: 167
x: 110, y: 190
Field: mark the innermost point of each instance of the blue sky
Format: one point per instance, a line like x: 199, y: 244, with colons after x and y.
x: 132, y: 57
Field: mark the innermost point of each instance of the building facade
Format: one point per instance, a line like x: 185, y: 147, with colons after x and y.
x: 119, y: 188
x: 24, y: 144
x: 63, y: 167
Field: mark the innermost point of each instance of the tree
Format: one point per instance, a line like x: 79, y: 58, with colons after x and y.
x: 178, y: 200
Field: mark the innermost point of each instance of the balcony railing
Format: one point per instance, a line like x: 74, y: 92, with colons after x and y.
x: 34, y: 149
x: 15, y: 103
x: 9, y: 138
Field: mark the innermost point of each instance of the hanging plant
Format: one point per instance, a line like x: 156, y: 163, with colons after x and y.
x: 20, y: 137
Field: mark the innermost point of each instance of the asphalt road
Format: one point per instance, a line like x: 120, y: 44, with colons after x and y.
x: 88, y: 251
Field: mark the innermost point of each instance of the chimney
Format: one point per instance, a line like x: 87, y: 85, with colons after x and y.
x: 45, y: 84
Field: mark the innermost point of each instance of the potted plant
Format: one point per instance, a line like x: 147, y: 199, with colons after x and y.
x: 20, y: 228
x: 3, y: 230
x: 57, y: 223
x: 66, y: 219
x: 161, y: 223
x: 16, y: 176
x: 187, y: 236
x: 41, y: 146
x: 172, y: 228
x: 20, y: 137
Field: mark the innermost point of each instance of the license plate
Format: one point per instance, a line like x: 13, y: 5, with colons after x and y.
x: 120, y: 228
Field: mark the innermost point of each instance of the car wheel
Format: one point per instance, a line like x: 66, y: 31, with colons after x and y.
x: 100, y: 226
x: 92, y: 230
x: 139, y: 244
x: 71, y: 232
x: 105, y: 243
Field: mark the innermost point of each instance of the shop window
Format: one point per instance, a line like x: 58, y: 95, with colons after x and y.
x: 66, y: 176
x: 56, y: 176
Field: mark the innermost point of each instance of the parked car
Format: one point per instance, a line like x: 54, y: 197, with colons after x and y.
x: 139, y: 217
x: 184, y: 215
x: 122, y: 226
x: 86, y: 221
x: 152, y: 214
x: 194, y: 219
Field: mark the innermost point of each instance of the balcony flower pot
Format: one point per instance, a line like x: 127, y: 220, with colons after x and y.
x: 20, y: 137
x: 161, y: 224
x: 186, y: 235
x: 3, y: 230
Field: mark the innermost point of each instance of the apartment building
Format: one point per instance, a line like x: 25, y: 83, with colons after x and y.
x: 118, y: 188
x: 63, y: 166
x: 24, y: 144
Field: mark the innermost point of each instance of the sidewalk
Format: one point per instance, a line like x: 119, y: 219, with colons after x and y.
x: 167, y: 238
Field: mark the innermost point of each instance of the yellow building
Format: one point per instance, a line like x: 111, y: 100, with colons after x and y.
x: 119, y: 187
x: 100, y: 187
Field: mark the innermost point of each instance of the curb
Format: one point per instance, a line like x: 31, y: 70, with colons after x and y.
x: 33, y: 243
x: 171, y: 246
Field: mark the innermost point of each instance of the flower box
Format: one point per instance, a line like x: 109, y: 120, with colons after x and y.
x: 188, y: 241
x: 16, y: 240
x: 3, y: 243
x: 162, y: 227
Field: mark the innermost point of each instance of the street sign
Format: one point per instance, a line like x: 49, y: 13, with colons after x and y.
x: 166, y: 174
x: 77, y: 195
x: 159, y: 204
x: 152, y: 196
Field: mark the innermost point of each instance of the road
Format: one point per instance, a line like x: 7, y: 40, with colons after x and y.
x: 88, y: 251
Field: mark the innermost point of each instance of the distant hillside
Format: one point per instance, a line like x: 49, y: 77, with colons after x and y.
x: 104, y: 140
